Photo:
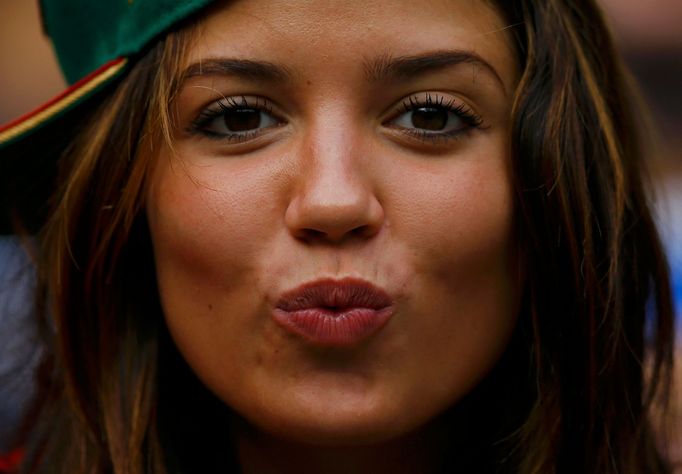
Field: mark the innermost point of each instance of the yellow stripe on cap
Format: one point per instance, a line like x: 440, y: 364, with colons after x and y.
x: 62, y: 102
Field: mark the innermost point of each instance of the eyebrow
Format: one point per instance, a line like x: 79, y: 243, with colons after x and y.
x: 389, y: 69
x: 384, y: 68
x: 242, y: 68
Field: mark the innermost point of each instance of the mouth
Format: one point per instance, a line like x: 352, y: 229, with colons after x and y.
x: 334, y: 312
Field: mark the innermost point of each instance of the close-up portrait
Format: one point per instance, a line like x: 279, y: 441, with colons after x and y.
x: 318, y: 236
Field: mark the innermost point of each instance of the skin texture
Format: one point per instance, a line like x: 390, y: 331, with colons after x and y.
x: 335, y: 187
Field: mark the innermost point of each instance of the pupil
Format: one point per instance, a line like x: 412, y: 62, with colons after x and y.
x: 430, y: 118
x: 241, y: 120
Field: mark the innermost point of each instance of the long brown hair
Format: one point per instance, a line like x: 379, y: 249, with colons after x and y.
x: 597, y: 276
x: 597, y: 302
x: 96, y: 412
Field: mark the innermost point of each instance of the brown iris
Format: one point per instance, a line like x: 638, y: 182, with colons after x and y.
x: 242, y: 120
x: 430, y: 118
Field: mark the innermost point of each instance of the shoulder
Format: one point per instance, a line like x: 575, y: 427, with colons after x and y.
x: 20, y: 346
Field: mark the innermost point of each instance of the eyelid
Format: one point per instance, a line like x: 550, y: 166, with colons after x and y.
x: 420, y: 99
x: 236, y: 101
x: 432, y: 138
x: 214, y: 110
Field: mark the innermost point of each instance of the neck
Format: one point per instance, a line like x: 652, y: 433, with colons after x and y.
x: 422, y: 451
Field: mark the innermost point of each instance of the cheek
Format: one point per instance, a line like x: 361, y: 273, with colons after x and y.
x: 456, y: 219
x: 208, y: 227
x: 459, y: 232
x: 207, y: 223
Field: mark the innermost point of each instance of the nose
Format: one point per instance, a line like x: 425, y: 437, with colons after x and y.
x: 334, y: 199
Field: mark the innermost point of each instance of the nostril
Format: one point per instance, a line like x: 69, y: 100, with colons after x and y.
x: 311, y: 234
x: 314, y: 235
x: 361, y: 231
x: 364, y: 232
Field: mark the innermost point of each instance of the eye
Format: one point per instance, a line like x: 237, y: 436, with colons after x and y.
x: 433, y: 117
x: 236, y: 119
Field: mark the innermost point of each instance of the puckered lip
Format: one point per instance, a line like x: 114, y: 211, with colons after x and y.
x: 334, y: 295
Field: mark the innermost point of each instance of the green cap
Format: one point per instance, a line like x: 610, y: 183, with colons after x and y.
x: 95, y: 42
x: 89, y: 34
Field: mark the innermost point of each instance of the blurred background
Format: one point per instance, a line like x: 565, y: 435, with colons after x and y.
x: 647, y: 32
x: 650, y: 37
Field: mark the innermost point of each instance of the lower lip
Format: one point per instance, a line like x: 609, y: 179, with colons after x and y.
x: 333, y: 328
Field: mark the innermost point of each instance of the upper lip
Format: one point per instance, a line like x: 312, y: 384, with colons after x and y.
x: 334, y: 294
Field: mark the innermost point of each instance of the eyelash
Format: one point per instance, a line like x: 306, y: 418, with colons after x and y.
x: 470, y: 120
x: 200, y: 125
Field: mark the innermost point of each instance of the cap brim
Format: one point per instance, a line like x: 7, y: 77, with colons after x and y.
x: 68, y: 99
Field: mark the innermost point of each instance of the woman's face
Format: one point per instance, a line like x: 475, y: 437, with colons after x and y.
x: 332, y: 227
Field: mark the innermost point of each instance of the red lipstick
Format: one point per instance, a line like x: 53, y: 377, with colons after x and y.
x: 334, y: 312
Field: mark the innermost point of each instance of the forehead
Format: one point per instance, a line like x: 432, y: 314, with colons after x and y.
x: 310, y: 36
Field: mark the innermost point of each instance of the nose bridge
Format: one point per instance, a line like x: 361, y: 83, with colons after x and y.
x: 331, y: 164
x: 335, y: 196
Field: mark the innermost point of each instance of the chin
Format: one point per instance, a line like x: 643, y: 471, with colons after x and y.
x: 332, y: 425
x: 337, y: 433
